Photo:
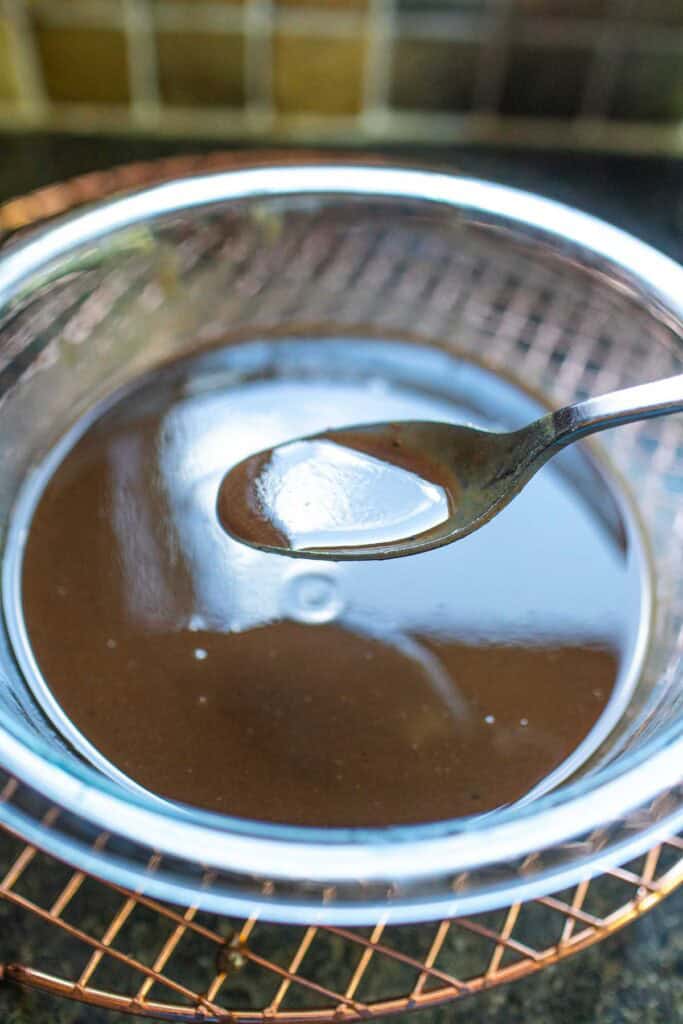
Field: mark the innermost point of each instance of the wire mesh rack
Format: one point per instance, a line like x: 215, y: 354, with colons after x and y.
x: 112, y: 947
x: 591, y: 74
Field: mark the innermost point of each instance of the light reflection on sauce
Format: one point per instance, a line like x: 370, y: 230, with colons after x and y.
x: 323, y: 493
x: 425, y: 688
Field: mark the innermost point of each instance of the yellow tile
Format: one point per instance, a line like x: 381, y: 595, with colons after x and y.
x: 318, y: 75
x: 87, y: 65
x: 9, y: 86
x: 197, y: 68
x: 434, y: 74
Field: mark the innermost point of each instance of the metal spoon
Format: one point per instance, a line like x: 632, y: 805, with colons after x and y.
x: 383, y: 490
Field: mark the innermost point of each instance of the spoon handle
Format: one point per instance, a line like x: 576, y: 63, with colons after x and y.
x: 642, y: 402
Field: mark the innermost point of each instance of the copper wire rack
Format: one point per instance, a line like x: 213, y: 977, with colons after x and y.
x: 111, y: 947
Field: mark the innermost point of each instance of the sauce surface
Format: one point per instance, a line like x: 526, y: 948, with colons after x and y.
x: 355, y: 694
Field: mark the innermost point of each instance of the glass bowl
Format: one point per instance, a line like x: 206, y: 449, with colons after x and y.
x: 555, y: 299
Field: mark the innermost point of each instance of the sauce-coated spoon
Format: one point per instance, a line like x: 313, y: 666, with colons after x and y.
x: 383, y: 490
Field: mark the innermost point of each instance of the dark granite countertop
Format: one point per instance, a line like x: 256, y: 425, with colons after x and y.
x: 636, y: 975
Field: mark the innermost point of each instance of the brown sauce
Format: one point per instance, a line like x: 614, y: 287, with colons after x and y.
x: 237, y: 681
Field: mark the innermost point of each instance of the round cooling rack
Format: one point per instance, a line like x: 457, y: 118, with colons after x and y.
x: 111, y: 947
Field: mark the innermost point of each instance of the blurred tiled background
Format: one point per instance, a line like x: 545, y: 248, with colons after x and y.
x: 601, y: 73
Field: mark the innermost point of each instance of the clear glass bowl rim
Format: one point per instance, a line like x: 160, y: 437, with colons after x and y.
x: 416, y: 854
